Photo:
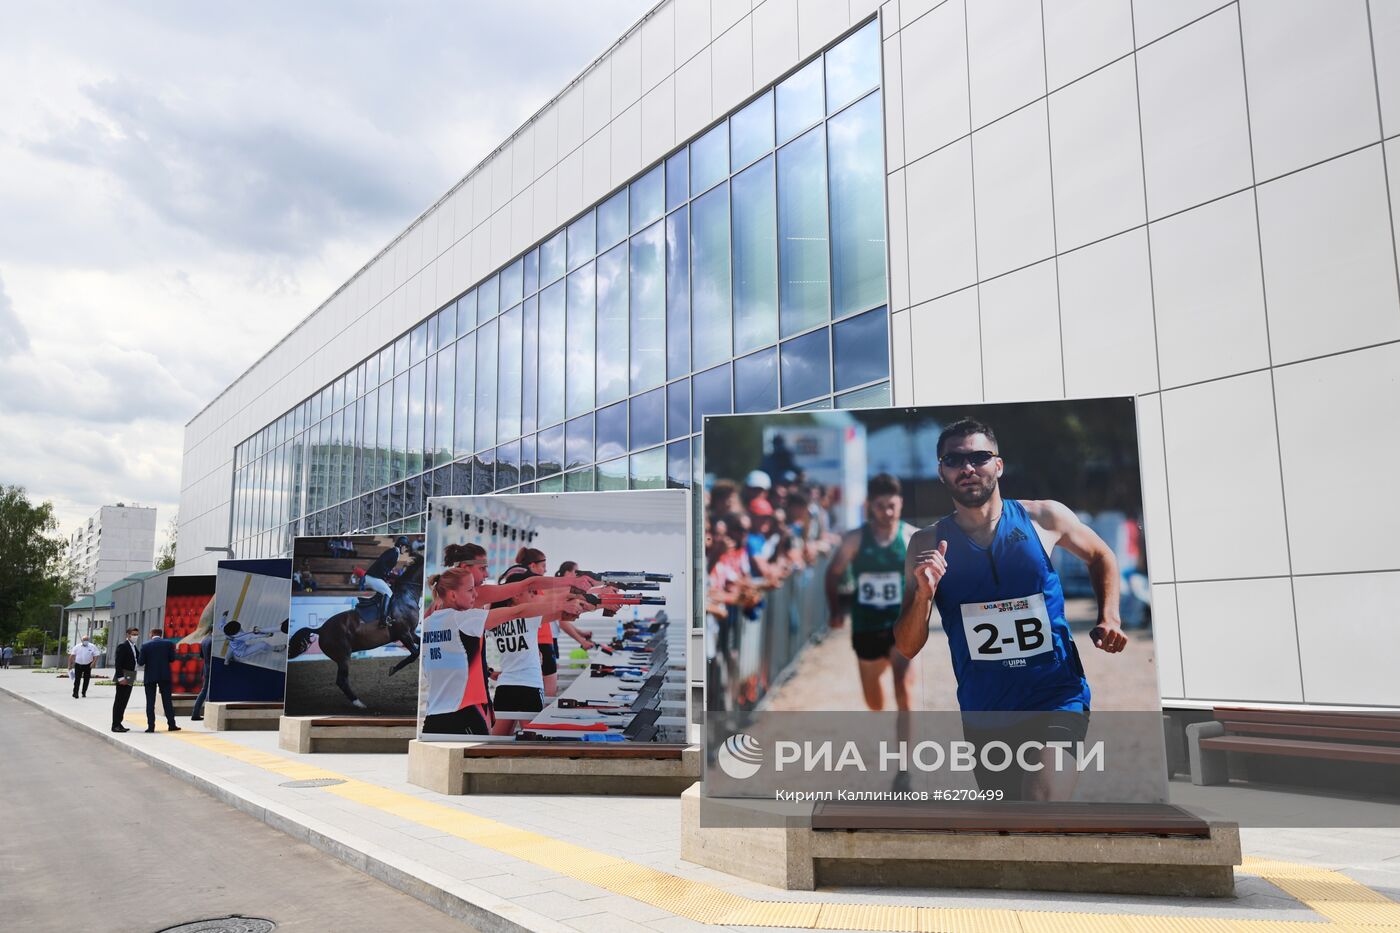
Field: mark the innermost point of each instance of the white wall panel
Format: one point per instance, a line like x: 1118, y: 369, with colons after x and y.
x: 546, y: 203
x: 934, y: 67
x: 1156, y: 511
x: 692, y: 28
x: 898, y: 242
x: 658, y: 121
x: 1238, y: 640
x: 734, y: 82
x: 1226, y: 496
x: 1329, y: 264
x: 1385, y: 40
x: 597, y: 97
x: 1339, y: 436
x: 693, y: 95
x: 774, y: 39
x: 546, y: 139
x: 627, y: 73
x: 597, y: 167
x: 1015, y: 215
x: 1166, y: 640
x: 901, y: 359
x: 1348, y: 637
x: 725, y: 13
x: 819, y: 22
x: 1021, y: 336
x: 626, y: 144
x: 1005, y: 55
x: 1152, y: 19
x: 1106, y: 318
x: 570, y: 107
x: 893, y: 100
x: 1209, y: 292
x: 942, y: 233
x: 658, y: 46
x: 522, y: 169
x: 1081, y: 35
x: 946, y: 355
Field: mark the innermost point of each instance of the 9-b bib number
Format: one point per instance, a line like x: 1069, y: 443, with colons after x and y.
x: 1009, y: 630
x: 879, y: 590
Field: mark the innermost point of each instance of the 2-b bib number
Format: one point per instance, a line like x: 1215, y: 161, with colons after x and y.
x: 879, y: 590
x: 1009, y: 630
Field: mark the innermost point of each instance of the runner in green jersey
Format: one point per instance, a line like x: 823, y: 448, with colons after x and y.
x: 875, y: 554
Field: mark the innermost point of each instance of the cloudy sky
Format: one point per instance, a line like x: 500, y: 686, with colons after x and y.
x: 183, y: 182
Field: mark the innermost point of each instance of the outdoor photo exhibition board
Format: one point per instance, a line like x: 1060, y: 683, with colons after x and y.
x: 930, y: 600
x: 189, y: 610
x: 352, y: 643
x: 248, y: 638
x: 556, y: 618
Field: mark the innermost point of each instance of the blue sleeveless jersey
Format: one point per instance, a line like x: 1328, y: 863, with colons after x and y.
x: 1015, y: 566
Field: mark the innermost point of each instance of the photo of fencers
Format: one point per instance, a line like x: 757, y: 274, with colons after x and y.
x: 555, y: 618
x: 353, y: 625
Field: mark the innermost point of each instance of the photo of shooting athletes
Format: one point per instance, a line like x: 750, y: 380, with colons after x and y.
x: 987, y: 560
x: 556, y: 618
x: 352, y: 640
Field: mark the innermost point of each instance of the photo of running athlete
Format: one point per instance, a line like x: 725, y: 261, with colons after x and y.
x: 584, y: 653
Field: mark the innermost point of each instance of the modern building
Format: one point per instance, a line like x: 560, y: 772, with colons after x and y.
x: 117, y: 540
x: 743, y: 207
x: 139, y: 602
x: 92, y: 613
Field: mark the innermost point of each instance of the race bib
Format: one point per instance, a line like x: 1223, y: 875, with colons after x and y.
x: 879, y: 590
x: 1009, y: 630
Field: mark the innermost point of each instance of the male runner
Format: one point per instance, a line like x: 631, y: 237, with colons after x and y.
x: 987, y: 569
x: 875, y: 553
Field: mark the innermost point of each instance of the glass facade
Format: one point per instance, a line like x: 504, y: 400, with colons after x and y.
x: 743, y: 272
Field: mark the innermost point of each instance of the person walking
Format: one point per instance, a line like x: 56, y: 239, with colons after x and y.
x: 80, y: 664
x: 156, y: 656
x: 206, y: 651
x: 124, y: 673
x: 7, y: 655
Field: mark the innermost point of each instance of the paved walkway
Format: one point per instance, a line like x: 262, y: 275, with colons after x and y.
x: 564, y: 863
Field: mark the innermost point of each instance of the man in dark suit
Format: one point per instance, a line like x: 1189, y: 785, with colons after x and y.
x: 124, y: 673
x: 156, y: 655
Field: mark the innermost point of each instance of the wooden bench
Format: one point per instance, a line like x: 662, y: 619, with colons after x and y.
x: 368, y: 734
x: 611, y: 768
x: 244, y: 716
x: 1089, y: 847
x: 1361, y: 737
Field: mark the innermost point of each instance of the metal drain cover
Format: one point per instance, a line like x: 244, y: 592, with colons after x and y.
x: 224, y: 925
x: 314, y: 782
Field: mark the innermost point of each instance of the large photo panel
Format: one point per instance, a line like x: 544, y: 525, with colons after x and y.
x: 556, y: 617
x: 248, y: 638
x: 187, y: 619
x: 972, y: 578
x: 352, y: 641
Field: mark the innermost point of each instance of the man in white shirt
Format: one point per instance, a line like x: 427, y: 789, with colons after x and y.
x: 80, y: 664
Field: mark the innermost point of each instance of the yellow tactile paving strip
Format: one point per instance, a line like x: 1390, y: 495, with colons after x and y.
x: 1346, y: 905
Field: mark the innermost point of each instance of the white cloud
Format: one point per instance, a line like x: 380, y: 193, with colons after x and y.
x: 186, y: 182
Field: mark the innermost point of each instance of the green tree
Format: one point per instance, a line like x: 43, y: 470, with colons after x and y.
x: 31, y: 638
x: 31, y: 558
x: 166, y: 559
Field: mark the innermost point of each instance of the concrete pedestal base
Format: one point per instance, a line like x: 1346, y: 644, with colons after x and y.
x: 744, y: 842
x: 314, y: 734
x: 183, y: 703
x: 245, y: 717
x: 501, y: 768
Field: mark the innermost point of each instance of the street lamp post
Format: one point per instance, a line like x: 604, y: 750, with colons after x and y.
x: 58, y: 630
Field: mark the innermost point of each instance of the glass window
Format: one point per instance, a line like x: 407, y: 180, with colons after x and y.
x: 337, y: 402
x: 755, y: 258
x: 578, y: 442
x: 527, y: 458
x: 612, y: 474
x: 446, y: 332
x: 386, y: 372
x: 648, y: 199
x: 532, y: 272
x: 677, y: 179
x: 709, y: 159
x: 442, y: 412
x: 552, y: 354
x: 649, y: 469
x: 466, y: 313
x: 511, y: 284
x: 429, y: 409
x: 678, y: 294
x: 678, y: 409
x: 400, y: 366
x: 648, y: 309
x: 488, y: 296
x: 549, y: 451
x: 417, y: 389
x: 417, y: 352
x: 486, y: 386
x: 803, y: 260
x: 648, y: 417
x: 806, y: 367
x: 821, y: 404
x: 484, y: 472
x: 855, y: 144
x: 432, y: 324
x: 582, y: 245
x: 464, y: 411
x: 508, y: 375
x: 580, y: 343
x: 579, y: 481
x: 507, y: 465
x: 751, y: 131
x: 853, y: 67
x: 678, y: 465
x: 612, y: 220
x: 399, y: 431
x: 876, y: 396
x: 800, y: 103
x: 709, y: 288
x: 861, y: 348
x: 756, y: 382
x: 611, y: 429
x: 612, y: 325
x: 529, y: 370
x: 711, y: 395
x: 552, y: 259
x: 552, y: 484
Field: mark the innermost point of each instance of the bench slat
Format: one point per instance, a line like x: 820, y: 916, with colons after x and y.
x: 1299, y: 748
x: 1014, y: 817
x: 1380, y: 721
x: 574, y: 750
x: 364, y: 721
x: 1320, y: 732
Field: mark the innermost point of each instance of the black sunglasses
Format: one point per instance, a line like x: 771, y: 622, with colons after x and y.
x: 957, y: 459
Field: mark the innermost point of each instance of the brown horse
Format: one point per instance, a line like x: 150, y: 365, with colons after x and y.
x: 349, y: 631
